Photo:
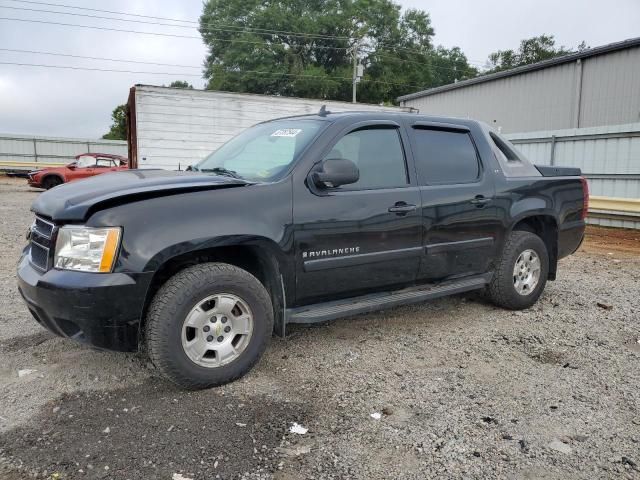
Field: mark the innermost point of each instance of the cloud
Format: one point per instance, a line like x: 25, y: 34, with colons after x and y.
x: 75, y: 103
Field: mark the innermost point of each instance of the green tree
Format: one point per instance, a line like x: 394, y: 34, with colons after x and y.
x: 531, y: 50
x: 180, y: 84
x: 395, y: 48
x: 118, y: 130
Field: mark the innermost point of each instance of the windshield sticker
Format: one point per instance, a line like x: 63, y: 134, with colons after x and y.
x: 286, y: 132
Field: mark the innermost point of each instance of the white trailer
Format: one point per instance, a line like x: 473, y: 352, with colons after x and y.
x: 172, y: 128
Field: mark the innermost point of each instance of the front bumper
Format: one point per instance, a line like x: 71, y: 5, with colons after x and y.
x: 99, y: 309
x: 33, y: 183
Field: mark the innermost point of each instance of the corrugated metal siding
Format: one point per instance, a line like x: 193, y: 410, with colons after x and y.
x: 607, y: 92
x: 611, y: 89
x: 177, y: 128
x: 534, y: 101
x: 611, y: 151
x: 20, y: 148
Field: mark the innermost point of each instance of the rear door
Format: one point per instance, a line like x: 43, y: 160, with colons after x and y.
x: 460, y: 219
x: 365, y: 236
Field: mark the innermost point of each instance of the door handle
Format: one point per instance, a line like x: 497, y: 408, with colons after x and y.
x: 480, y: 200
x: 402, y: 207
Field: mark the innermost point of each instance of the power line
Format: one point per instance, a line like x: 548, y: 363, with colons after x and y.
x: 210, y: 26
x: 36, y: 52
x: 428, y: 64
x: 71, y: 67
x: 256, y: 72
x: 121, y: 60
x: 174, y: 35
x: 213, y: 26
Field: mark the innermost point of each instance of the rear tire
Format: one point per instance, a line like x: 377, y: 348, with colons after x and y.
x: 521, y: 273
x: 227, y: 313
x: 49, y: 182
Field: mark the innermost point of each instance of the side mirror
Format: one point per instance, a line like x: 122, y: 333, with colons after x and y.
x: 335, y: 172
x: 72, y: 166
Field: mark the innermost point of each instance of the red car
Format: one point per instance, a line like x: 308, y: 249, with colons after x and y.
x: 85, y: 165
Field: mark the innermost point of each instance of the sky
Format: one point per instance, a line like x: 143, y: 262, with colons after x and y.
x: 76, y: 103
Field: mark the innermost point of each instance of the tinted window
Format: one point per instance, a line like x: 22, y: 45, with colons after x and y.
x: 445, y: 157
x: 378, y: 154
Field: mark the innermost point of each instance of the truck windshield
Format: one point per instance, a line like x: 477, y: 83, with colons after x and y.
x: 263, y: 152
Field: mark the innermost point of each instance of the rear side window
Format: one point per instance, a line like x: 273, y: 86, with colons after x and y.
x: 512, y: 163
x: 503, y: 149
x: 445, y: 157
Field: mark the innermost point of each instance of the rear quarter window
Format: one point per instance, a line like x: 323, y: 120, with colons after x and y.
x: 512, y: 162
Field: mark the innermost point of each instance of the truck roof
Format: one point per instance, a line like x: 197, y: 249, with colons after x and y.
x: 373, y: 115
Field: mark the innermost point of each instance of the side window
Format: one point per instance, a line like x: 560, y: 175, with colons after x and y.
x: 104, y: 163
x: 378, y: 154
x: 513, y: 164
x: 86, y: 161
x: 445, y: 157
x: 504, y: 150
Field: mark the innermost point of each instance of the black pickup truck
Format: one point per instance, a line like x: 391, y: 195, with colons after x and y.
x: 297, y: 220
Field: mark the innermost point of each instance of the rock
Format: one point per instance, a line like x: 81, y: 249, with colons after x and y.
x: 580, y: 438
x: 106, y: 430
x: 26, y: 371
x: 558, y: 446
x: 604, y: 306
x: 296, y: 451
x: 376, y: 415
x: 297, y: 428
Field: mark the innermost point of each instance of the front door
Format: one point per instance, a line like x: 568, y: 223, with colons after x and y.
x: 360, y: 237
x: 461, y: 224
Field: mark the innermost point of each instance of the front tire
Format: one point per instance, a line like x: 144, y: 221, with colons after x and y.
x: 521, y: 273
x: 49, y: 182
x: 208, y: 325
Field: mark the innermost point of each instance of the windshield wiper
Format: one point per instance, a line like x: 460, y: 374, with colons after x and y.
x: 222, y: 171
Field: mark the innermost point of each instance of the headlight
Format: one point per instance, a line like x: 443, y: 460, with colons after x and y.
x: 87, y: 249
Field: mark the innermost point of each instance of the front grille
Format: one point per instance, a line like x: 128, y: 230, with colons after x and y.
x: 43, y: 227
x: 42, y: 233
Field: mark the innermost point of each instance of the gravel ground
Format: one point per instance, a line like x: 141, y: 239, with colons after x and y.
x: 462, y: 389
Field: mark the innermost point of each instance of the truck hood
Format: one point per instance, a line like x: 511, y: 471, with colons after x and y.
x: 76, y: 201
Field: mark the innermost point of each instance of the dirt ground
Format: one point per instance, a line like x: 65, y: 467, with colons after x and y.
x: 462, y: 389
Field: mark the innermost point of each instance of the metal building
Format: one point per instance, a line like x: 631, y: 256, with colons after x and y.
x: 580, y: 110
x: 595, y: 87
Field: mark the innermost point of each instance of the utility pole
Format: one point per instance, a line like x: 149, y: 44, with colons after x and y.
x: 358, y: 70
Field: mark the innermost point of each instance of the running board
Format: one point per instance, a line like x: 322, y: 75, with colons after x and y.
x: 322, y: 312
